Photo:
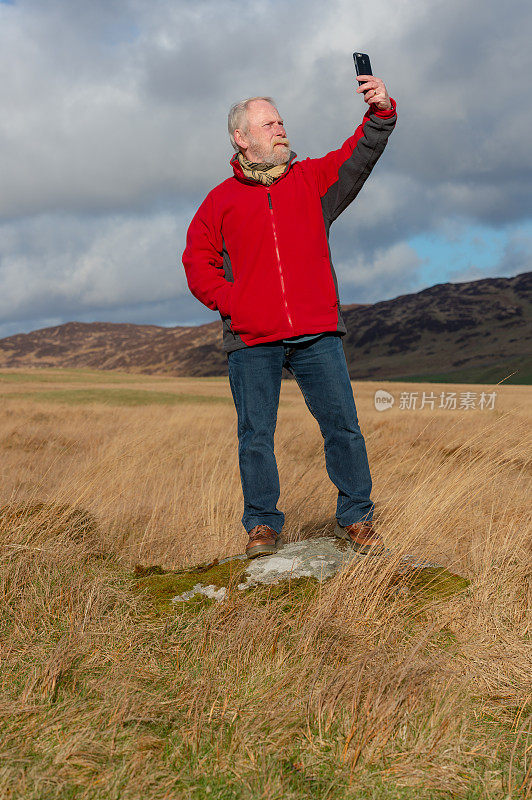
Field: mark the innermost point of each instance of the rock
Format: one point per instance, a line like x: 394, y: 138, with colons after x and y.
x: 192, y: 584
x: 317, y: 559
x: 209, y: 591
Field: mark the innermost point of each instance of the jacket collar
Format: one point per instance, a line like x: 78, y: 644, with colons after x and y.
x: 239, y: 174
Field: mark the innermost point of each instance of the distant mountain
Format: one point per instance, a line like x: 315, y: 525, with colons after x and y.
x: 475, y: 332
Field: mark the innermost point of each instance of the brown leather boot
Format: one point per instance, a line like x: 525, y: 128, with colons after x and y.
x: 362, y: 537
x: 263, y: 541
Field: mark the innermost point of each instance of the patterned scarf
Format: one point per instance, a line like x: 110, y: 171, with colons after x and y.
x: 264, y: 173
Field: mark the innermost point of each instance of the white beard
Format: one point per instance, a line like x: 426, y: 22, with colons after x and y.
x: 277, y: 154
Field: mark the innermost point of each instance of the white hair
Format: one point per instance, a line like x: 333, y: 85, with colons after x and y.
x: 238, y: 117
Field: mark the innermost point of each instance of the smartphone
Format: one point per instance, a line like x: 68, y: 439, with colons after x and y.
x: 362, y: 65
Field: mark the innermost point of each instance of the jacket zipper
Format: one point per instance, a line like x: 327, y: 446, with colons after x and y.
x: 274, y: 229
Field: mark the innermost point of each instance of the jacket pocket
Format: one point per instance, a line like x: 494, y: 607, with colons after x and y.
x: 255, y: 312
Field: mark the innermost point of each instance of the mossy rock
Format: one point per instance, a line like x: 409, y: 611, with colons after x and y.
x: 160, y: 587
x: 425, y: 585
x: 289, y: 593
x: 420, y: 586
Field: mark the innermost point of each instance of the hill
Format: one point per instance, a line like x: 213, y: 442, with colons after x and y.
x: 474, y: 332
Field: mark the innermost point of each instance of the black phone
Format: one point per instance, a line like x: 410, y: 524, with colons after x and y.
x: 362, y: 65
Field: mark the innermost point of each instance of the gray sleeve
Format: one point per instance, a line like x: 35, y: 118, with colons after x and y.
x: 355, y: 170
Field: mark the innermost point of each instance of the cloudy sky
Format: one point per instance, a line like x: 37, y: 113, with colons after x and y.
x: 113, y: 130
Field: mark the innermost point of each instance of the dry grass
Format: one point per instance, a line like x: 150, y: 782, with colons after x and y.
x: 348, y: 694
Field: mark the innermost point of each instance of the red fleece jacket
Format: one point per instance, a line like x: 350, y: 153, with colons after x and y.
x: 261, y: 255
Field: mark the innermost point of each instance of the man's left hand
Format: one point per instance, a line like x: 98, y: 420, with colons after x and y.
x: 375, y: 92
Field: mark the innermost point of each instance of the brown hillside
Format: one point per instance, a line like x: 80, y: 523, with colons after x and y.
x: 480, y: 330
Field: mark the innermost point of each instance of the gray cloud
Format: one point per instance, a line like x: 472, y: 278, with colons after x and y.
x: 114, y: 128
x: 49, y: 264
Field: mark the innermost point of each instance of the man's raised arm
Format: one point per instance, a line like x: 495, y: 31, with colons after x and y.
x: 341, y: 173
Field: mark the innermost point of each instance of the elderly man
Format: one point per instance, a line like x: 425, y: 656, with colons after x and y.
x: 258, y: 251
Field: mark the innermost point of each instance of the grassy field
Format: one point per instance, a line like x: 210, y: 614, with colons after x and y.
x: 344, y: 692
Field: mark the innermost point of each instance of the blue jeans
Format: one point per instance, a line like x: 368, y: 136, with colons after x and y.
x: 320, y: 370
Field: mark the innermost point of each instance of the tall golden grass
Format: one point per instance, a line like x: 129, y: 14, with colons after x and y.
x: 345, y: 694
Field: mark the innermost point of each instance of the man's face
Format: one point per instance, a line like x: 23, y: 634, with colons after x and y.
x: 264, y: 134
